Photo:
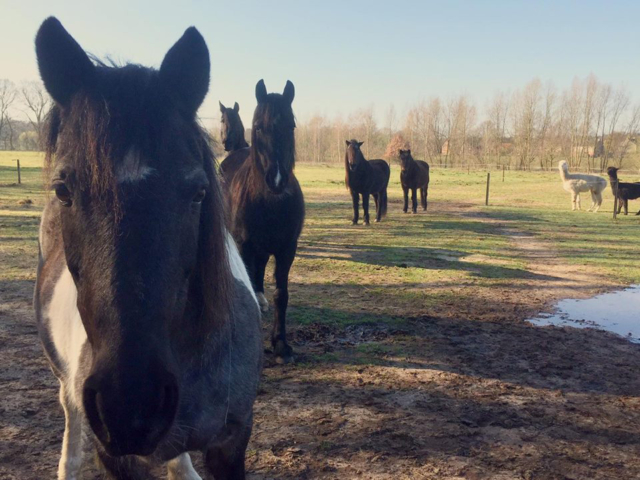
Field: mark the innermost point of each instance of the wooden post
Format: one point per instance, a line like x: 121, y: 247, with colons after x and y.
x: 18, y: 162
x: 503, y: 173
x: 615, y: 199
x: 486, y: 200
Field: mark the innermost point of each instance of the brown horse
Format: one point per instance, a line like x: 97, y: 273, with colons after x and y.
x: 266, y: 203
x: 144, y: 308
x: 366, y: 177
x: 414, y: 175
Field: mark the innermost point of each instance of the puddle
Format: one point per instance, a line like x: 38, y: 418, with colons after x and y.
x: 617, y: 312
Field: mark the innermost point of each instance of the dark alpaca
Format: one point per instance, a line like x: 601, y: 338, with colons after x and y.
x: 626, y: 191
x: 366, y: 177
x: 143, y: 305
x: 266, y: 204
x: 414, y: 175
x: 231, y: 128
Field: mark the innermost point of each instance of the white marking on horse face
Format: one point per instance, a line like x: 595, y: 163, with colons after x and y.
x: 132, y: 169
x: 67, y: 331
x: 238, y: 269
x: 278, y: 176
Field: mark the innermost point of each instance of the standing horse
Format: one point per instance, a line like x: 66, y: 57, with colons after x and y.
x: 366, y: 177
x: 266, y: 204
x: 143, y: 305
x: 232, y: 129
x: 414, y: 174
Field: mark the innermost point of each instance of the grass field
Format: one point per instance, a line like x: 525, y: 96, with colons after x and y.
x: 417, y: 322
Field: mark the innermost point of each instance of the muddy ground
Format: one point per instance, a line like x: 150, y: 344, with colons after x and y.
x: 467, y: 391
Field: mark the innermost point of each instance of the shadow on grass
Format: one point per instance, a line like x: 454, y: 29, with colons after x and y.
x: 416, y: 257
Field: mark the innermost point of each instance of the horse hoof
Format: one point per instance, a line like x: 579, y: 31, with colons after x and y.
x: 263, y: 302
x: 354, y: 223
x: 367, y: 224
x: 284, y: 353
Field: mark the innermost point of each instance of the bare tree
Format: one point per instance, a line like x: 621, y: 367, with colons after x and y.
x: 498, y: 112
x: 7, y: 98
x: 36, y: 101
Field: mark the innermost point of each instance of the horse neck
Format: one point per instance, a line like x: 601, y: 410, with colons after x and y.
x: 564, y: 173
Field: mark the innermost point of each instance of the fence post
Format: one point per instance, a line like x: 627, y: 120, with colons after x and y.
x: 503, y: 173
x: 19, y: 178
x: 486, y: 200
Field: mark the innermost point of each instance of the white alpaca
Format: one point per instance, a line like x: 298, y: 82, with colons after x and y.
x: 575, y: 183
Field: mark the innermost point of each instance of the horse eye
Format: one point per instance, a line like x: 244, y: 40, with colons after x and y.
x: 199, y: 197
x: 63, y: 194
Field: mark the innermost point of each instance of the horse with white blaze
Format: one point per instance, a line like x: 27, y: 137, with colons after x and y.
x: 144, y: 307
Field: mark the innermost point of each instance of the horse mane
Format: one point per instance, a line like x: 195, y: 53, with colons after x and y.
x: 127, y: 109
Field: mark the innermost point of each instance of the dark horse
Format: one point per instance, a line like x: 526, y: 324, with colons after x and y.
x: 414, y: 175
x: 143, y: 305
x: 625, y: 191
x: 231, y: 128
x: 266, y: 203
x: 366, y: 177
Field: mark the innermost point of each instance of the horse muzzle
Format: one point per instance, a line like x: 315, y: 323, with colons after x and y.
x: 130, y: 416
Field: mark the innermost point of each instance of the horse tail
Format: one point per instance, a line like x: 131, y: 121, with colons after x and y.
x: 383, y: 202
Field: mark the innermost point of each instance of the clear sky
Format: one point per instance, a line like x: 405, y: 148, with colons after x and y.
x: 349, y: 54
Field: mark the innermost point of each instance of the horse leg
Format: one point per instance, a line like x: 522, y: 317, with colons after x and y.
x: 121, y: 468
x: 225, y: 461
x: 578, y: 201
x: 377, y: 199
x: 284, y: 260
x: 626, y: 206
x: 414, y: 200
x: 365, y: 207
x: 573, y: 201
x: 593, y: 201
x: 259, y: 266
x: 355, y: 198
x: 71, y: 456
x: 405, y: 192
x: 181, y: 468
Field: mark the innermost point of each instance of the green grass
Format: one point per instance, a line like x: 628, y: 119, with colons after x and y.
x: 408, y: 264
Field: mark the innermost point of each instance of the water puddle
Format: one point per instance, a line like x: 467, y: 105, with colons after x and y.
x: 617, y: 312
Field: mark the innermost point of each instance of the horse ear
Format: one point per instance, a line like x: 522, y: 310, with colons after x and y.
x: 400, y: 151
x: 236, y: 107
x: 347, y: 142
x: 64, y: 66
x: 408, y: 150
x: 261, y: 92
x: 185, y: 70
x: 360, y: 144
x: 289, y: 92
x: 222, y: 107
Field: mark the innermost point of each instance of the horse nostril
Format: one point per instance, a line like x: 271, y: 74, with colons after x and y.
x: 94, y: 409
x: 168, y: 403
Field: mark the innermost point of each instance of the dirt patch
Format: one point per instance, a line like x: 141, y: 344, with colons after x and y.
x: 467, y: 392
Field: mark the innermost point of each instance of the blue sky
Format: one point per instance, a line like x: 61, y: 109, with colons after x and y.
x: 349, y: 54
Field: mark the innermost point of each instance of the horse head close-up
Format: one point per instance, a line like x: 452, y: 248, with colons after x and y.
x: 139, y: 281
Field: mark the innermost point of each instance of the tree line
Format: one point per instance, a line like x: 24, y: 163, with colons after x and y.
x: 590, y: 124
x: 23, y: 131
